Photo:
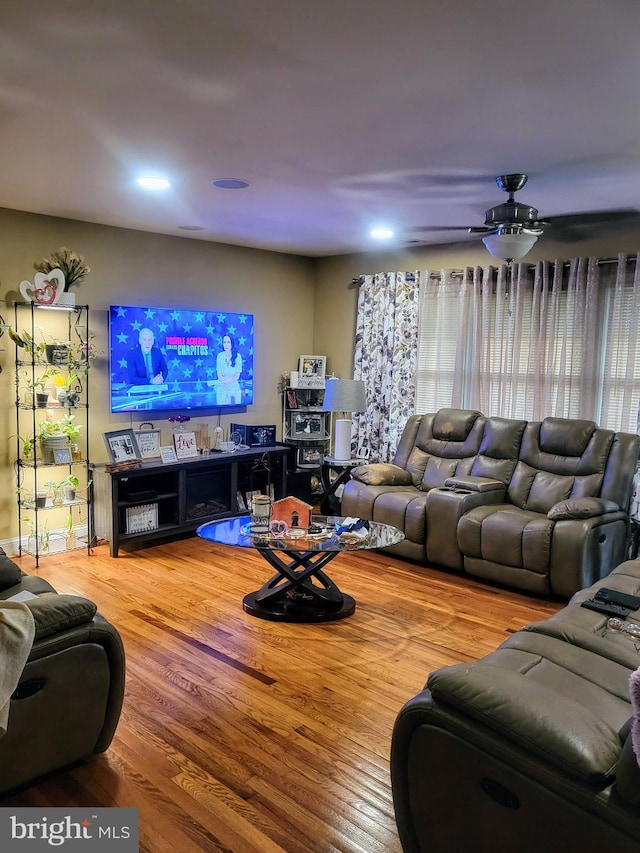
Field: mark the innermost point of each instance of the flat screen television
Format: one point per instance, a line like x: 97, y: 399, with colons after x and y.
x: 164, y: 359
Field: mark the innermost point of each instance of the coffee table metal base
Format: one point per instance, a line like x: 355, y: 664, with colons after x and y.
x: 299, y: 591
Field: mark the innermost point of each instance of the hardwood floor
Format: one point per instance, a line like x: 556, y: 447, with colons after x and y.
x: 242, y: 735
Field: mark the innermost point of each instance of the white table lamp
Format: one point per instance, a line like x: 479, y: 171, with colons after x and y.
x: 345, y: 396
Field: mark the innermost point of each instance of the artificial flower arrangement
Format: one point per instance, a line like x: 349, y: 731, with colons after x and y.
x: 73, y: 266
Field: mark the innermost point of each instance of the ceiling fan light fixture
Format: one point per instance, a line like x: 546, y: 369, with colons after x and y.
x: 509, y: 244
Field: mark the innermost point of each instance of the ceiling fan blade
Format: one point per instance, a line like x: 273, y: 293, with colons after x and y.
x: 429, y: 228
x: 573, y: 227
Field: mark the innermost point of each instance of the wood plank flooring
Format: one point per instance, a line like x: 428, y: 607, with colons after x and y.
x: 247, y: 736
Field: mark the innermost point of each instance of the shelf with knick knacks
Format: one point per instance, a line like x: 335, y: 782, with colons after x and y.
x: 52, y: 357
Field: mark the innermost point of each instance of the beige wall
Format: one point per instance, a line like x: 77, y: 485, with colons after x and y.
x: 132, y: 267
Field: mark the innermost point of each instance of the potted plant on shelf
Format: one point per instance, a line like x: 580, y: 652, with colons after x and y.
x: 37, y: 543
x: 69, y: 532
x: 57, y: 497
x: 63, y: 491
x: 56, y: 351
x: 27, y: 447
x: 73, y: 267
x: 53, y: 435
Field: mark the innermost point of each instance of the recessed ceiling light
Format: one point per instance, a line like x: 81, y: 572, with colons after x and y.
x: 153, y: 182
x: 381, y: 233
x: 230, y: 184
x: 191, y: 227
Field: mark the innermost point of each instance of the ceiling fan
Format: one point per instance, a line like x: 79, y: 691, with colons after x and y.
x: 512, y: 228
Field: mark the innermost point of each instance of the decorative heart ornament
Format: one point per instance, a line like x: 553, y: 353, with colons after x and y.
x: 49, y: 286
x: 26, y: 289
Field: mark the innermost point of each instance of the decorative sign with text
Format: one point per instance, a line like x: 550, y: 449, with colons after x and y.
x: 185, y: 444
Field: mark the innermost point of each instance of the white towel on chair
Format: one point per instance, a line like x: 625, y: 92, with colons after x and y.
x: 17, y: 630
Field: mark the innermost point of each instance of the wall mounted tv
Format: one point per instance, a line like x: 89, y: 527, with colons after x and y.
x: 164, y: 359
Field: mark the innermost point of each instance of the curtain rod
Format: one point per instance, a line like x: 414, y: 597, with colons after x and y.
x: 631, y: 259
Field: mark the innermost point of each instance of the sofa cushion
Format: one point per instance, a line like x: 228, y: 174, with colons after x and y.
x: 565, y: 437
x: 507, y: 536
x: 453, y: 424
x: 381, y: 474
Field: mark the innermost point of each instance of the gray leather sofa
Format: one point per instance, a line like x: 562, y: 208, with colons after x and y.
x: 68, y: 700
x: 539, y: 506
x: 528, y: 749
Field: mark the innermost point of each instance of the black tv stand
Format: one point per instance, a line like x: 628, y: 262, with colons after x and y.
x: 180, y: 496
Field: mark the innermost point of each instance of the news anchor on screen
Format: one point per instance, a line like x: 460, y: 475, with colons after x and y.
x: 146, y: 365
x: 229, y: 368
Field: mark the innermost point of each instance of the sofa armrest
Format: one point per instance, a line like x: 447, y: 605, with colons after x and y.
x: 382, y: 474
x: 53, y: 613
x: 553, y: 725
x: 475, y: 484
x: 581, y: 508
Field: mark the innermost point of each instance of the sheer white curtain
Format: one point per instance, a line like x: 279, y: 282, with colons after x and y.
x: 557, y: 339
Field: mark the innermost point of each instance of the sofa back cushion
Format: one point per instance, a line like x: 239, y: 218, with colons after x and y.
x: 446, y: 443
x: 499, y: 450
x: 560, y: 458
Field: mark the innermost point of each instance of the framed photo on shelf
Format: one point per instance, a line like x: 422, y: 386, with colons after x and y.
x: 312, y: 367
x: 148, y: 441
x: 242, y: 504
x: 168, y: 454
x: 292, y: 400
x: 307, y: 425
x: 121, y: 445
x: 62, y: 456
x: 309, y: 457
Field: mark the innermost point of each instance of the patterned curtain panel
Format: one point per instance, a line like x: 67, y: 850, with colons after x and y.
x: 385, y: 358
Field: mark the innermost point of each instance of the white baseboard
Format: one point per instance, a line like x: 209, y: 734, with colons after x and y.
x: 11, y: 547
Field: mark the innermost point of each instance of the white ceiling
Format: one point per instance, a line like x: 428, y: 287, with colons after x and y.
x: 341, y: 114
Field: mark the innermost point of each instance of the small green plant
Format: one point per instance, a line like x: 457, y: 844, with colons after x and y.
x: 27, y: 445
x: 62, y: 426
x: 37, y: 542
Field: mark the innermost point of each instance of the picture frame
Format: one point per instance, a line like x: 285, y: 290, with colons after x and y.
x: 168, y: 454
x: 307, y: 425
x: 62, y: 456
x: 312, y: 367
x: 122, y: 446
x: 309, y: 457
x: 148, y: 441
x: 242, y: 504
x: 185, y: 444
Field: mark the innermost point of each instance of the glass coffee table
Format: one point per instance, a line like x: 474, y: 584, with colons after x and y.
x: 300, y: 591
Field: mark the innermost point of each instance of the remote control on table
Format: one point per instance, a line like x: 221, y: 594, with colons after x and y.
x: 606, y: 607
x: 616, y: 597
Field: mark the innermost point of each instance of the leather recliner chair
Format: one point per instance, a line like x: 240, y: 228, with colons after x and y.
x: 68, y: 700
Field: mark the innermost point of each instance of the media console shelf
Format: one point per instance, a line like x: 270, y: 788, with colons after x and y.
x: 143, y: 505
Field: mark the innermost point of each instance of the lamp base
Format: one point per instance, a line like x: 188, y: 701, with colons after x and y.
x: 342, y: 443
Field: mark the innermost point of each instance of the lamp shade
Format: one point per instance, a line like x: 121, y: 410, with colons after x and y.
x: 344, y: 395
x: 509, y: 246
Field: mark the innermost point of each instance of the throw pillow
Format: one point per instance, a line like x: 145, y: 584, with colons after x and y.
x: 382, y: 474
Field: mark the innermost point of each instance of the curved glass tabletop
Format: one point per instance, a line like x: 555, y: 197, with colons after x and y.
x: 237, y: 531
